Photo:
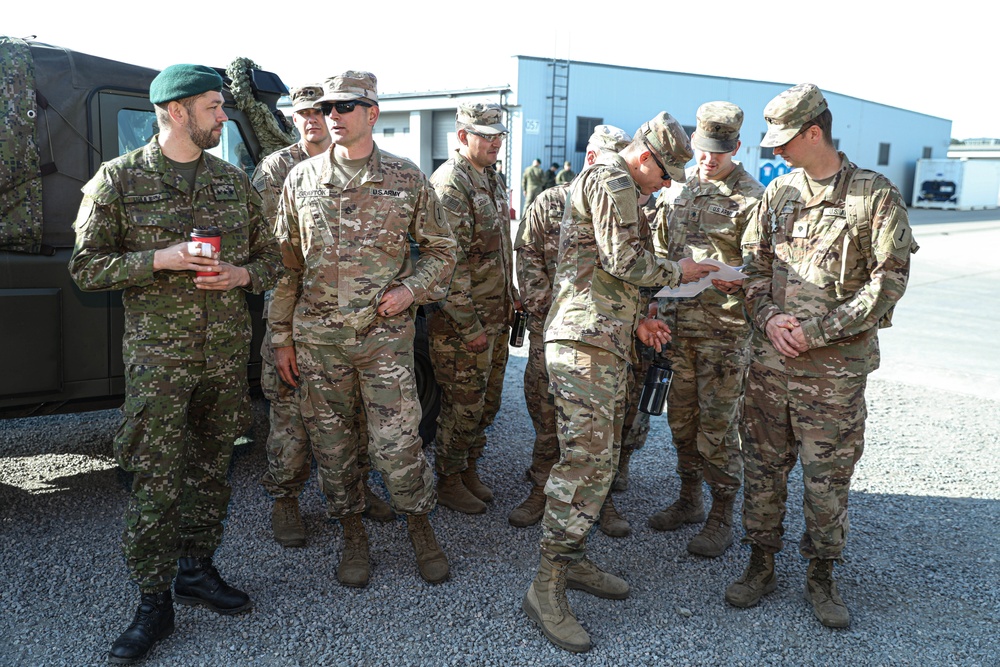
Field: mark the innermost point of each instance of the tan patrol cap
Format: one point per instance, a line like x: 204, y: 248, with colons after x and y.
x: 306, y: 97
x: 483, y: 117
x: 718, y: 129
x: 608, y: 138
x: 668, y: 140
x: 789, y: 111
x: 351, y: 85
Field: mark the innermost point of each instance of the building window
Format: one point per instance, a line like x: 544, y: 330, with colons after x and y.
x: 883, y: 154
x: 927, y: 152
x: 584, y: 128
x: 388, y: 131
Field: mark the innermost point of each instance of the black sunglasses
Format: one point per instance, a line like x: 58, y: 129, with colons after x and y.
x: 341, y: 107
x: 663, y: 170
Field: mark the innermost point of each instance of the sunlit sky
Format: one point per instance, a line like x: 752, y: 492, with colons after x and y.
x: 923, y: 58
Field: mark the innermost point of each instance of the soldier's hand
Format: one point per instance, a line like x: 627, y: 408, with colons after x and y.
x: 395, y: 301
x: 229, y: 277
x: 179, y: 258
x: 654, y: 333
x: 288, y: 368
x: 692, y: 270
x: 727, y: 286
x: 479, y: 344
x: 786, y: 335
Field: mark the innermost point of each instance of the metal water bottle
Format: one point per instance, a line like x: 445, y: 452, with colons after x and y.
x: 654, y: 390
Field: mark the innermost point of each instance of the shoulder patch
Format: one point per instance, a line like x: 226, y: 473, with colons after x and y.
x: 620, y: 183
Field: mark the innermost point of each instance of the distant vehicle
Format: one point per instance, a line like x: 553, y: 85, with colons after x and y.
x: 62, y: 348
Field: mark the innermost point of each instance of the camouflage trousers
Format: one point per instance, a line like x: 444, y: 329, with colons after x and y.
x: 176, y: 440
x: 589, y: 386
x: 635, y: 428
x: 471, y: 386
x: 376, y: 372
x: 541, y: 408
x: 703, y: 409
x: 289, y: 453
x: 819, y: 421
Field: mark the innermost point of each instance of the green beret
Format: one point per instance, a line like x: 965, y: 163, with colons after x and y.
x: 179, y: 81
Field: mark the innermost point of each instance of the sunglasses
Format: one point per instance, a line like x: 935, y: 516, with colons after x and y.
x: 341, y: 107
x: 663, y: 170
x: 489, y: 137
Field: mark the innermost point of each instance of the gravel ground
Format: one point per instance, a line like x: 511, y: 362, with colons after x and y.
x: 920, y: 578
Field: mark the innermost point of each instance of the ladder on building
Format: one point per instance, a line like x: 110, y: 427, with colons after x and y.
x: 559, y: 118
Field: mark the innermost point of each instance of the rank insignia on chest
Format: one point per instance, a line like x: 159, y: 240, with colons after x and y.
x: 718, y: 210
x: 224, y: 191
x: 800, y: 230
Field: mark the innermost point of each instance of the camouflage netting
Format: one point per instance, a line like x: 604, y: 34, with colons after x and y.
x: 270, y: 134
x: 20, y: 176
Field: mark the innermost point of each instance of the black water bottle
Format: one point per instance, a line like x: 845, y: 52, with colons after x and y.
x: 654, y: 391
x: 517, y: 331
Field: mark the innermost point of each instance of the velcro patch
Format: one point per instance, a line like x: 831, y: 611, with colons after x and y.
x: 145, y: 199
x: 224, y: 191
x: 302, y: 194
x: 383, y: 192
x: 718, y: 210
x: 620, y: 183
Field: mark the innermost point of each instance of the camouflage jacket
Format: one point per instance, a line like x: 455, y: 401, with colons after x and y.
x: 537, y: 245
x: 343, y: 249
x: 703, y: 220
x: 564, y: 176
x: 603, y: 262
x: 270, y: 175
x: 803, y: 260
x: 137, y: 204
x: 482, y: 296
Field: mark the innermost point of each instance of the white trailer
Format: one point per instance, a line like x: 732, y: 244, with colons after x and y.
x: 961, y: 184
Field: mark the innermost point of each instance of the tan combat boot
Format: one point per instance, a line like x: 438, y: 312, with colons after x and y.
x: 821, y: 592
x: 286, y: 523
x: 621, y: 477
x: 611, y: 522
x: 717, y: 534
x: 431, y: 561
x: 470, y: 478
x: 757, y: 581
x: 353, y: 569
x: 545, y: 603
x: 452, y: 493
x: 376, y: 508
x: 584, y: 575
x: 530, y: 511
x: 689, y: 508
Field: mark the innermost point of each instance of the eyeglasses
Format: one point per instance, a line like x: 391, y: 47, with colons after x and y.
x: 663, y: 170
x: 341, y: 107
x: 797, y: 134
x: 489, y: 137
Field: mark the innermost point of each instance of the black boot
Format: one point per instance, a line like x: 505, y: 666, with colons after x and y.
x: 199, y: 583
x: 154, y: 620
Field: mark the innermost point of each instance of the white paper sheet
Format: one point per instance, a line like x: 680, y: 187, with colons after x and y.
x: 688, y: 290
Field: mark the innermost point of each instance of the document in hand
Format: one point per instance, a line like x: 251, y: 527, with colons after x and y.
x: 688, y: 290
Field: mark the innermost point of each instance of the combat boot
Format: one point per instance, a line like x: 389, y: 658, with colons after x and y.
x: 530, y: 511
x: 376, y: 508
x: 198, y: 583
x: 611, y: 522
x: 757, y: 581
x: 689, y: 508
x: 470, y: 478
x: 717, y: 534
x: 621, y: 477
x: 286, y: 523
x: 153, y: 621
x: 431, y: 561
x: 584, y: 575
x: 354, y: 569
x: 452, y: 493
x: 545, y: 603
x: 821, y: 592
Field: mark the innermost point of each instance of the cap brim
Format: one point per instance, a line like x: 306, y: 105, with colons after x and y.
x: 778, y: 136
x: 496, y: 128
x: 342, y: 97
x: 305, y: 105
x: 707, y: 145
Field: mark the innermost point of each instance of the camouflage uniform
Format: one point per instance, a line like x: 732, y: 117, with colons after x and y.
x: 481, y: 299
x: 589, y: 338
x: 565, y: 175
x: 343, y: 248
x: 185, y: 349
x: 803, y: 259
x: 709, y: 352
x: 532, y: 184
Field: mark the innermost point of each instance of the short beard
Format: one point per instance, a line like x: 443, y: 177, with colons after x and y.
x: 203, y: 139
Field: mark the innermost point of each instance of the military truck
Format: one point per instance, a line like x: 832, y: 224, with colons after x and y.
x: 65, y: 113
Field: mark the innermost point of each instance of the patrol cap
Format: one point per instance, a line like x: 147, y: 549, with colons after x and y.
x: 668, y: 140
x: 351, y: 85
x: 789, y: 111
x: 718, y: 129
x: 608, y: 138
x: 306, y: 97
x: 482, y: 117
x: 179, y: 81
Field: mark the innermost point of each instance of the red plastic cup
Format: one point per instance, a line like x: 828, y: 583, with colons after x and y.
x: 212, y: 236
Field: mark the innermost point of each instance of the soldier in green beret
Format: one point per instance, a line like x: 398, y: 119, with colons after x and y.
x: 186, y: 342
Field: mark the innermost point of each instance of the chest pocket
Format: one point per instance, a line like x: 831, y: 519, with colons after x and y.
x: 156, y: 219
x: 387, y: 232
x: 487, y: 235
